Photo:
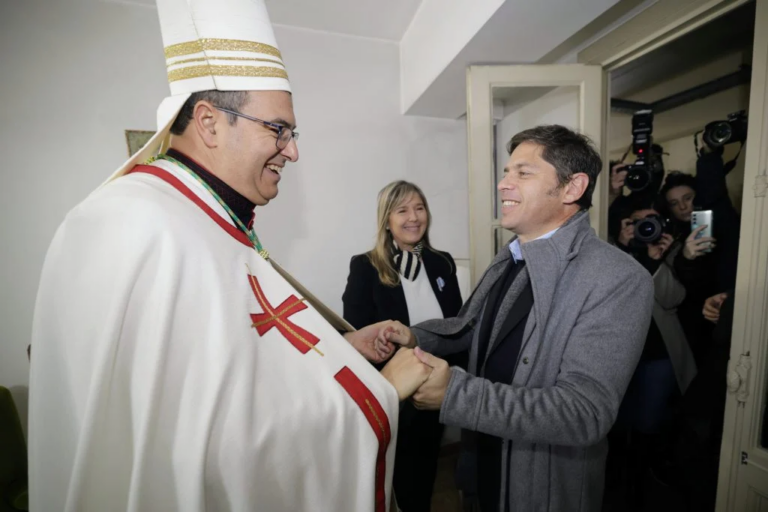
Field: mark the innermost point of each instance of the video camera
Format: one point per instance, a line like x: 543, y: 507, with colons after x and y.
x: 647, y: 155
x: 720, y: 133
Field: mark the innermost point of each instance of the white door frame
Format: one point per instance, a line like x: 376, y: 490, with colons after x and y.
x: 743, y: 477
x: 481, y: 80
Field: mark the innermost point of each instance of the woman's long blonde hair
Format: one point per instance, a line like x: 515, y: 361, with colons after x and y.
x: 390, y: 197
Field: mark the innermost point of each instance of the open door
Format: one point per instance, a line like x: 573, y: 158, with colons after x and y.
x: 503, y: 100
x: 743, y: 476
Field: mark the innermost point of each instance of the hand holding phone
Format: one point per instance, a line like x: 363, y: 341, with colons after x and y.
x: 701, y: 228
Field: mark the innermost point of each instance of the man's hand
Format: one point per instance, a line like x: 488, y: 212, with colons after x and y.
x: 368, y: 342
x: 695, y: 247
x: 656, y: 251
x: 406, y: 373
x: 431, y: 394
x: 618, y: 177
x: 712, y: 307
x: 627, y: 232
x: 393, y: 332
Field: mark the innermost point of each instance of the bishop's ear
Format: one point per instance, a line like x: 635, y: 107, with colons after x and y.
x: 206, y: 119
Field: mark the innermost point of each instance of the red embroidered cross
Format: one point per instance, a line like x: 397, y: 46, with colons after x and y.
x: 303, y: 340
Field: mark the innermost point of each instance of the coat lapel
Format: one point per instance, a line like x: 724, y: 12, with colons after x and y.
x: 506, y: 309
x: 473, y: 307
x: 546, y: 260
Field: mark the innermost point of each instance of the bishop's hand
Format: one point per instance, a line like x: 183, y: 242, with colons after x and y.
x: 406, y: 372
x: 369, y: 341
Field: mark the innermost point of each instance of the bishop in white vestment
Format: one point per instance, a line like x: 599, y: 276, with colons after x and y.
x: 174, y: 369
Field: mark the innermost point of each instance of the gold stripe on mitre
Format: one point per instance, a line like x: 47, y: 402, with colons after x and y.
x: 208, y: 59
x: 244, y: 71
x: 229, y: 45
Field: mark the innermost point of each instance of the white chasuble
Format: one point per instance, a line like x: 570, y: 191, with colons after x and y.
x: 173, y: 369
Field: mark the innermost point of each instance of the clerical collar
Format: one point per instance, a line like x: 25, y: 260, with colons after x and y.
x: 242, y: 207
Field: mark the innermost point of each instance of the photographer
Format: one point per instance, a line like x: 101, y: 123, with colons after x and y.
x: 618, y: 179
x: 693, y: 260
x: 666, y: 350
x: 712, y: 194
x: 666, y: 366
x: 706, y: 265
x: 643, y: 183
x: 707, y: 190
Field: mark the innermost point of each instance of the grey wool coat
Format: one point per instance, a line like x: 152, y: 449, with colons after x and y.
x: 581, y: 344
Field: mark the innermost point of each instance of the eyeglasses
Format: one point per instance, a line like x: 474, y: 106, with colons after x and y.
x: 284, y: 134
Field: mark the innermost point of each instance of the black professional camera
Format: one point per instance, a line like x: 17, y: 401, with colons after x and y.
x: 648, y: 155
x: 649, y: 229
x: 641, y: 174
x: 720, y: 133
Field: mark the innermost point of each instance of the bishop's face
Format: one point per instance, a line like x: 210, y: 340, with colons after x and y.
x: 255, y: 163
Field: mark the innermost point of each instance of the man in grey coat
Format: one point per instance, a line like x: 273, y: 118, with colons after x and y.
x: 554, y: 330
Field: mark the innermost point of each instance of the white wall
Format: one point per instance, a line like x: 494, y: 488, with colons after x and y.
x: 75, y: 75
x: 83, y: 71
x: 353, y: 142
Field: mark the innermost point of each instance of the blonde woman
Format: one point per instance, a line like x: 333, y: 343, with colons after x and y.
x: 403, y: 278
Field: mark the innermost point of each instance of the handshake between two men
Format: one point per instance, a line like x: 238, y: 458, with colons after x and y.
x: 413, y: 372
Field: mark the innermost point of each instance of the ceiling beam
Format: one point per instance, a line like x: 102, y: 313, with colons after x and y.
x: 723, y: 83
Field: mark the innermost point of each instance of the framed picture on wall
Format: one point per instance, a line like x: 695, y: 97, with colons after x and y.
x: 135, y: 140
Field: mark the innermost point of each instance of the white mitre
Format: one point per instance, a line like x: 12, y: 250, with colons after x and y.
x: 226, y: 45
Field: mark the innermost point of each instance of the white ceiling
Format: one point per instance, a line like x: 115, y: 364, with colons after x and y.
x: 379, y: 19
x: 519, y: 32
x: 376, y: 19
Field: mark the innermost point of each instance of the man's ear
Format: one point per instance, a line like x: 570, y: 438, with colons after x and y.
x: 575, y: 188
x: 205, y: 118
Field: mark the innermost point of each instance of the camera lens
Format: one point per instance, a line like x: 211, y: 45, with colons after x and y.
x: 637, y: 179
x: 718, y: 133
x: 646, y: 229
x: 722, y: 133
x: 649, y: 229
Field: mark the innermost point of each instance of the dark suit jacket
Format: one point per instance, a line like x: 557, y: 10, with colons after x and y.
x: 367, y: 300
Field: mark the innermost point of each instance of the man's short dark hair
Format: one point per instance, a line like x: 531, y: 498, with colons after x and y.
x: 231, y: 100
x: 568, y: 152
